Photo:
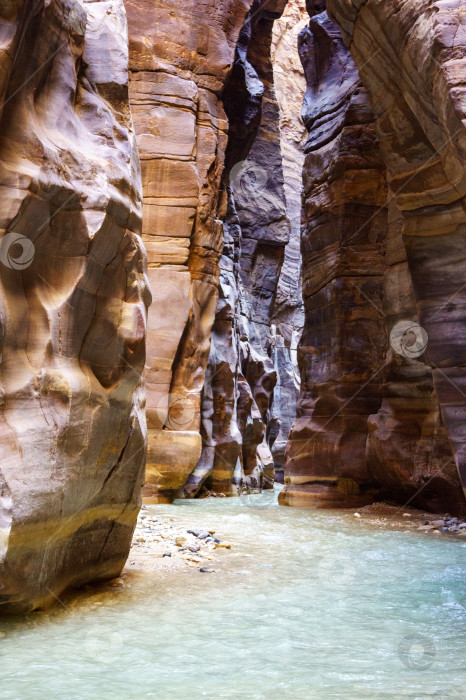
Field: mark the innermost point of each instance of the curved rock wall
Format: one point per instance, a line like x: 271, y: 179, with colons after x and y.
x: 180, y: 56
x: 412, y: 57
x: 288, y: 314
x: 345, y: 225
x: 73, y: 300
x: 241, y: 376
x: 251, y: 386
x: 369, y: 424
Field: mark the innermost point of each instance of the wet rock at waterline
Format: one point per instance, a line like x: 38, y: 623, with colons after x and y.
x: 180, y: 56
x: 250, y: 358
x: 420, y: 124
x: 369, y: 425
x: 73, y: 301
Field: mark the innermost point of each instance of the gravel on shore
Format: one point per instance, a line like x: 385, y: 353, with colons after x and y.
x: 160, y: 543
x: 412, y: 520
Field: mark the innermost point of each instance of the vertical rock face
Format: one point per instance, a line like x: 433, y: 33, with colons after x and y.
x: 73, y: 300
x: 180, y: 55
x: 345, y: 225
x: 369, y: 423
x: 241, y: 374
x: 408, y: 451
x: 251, y: 386
x: 259, y: 196
x: 288, y: 315
x: 412, y: 57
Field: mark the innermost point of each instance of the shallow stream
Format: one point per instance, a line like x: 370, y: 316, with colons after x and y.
x: 305, y: 605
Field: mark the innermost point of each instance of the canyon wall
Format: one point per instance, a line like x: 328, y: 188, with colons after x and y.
x: 288, y: 313
x: 74, y: 274
x: 73, y: 300
x: 369, y: 424
x: 344, y: 230
x: 241, y: 376
x: 411, y: 56
x: 180, y: 56
x: 251, y: 385
x: 214, y: 194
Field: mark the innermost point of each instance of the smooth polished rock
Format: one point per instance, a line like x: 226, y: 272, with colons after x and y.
x: 342, y: 349
x: 73, y: 301
x: 411, y: 55
x: 180, y: 57
x: 241, y: 374
x: 369, y: 424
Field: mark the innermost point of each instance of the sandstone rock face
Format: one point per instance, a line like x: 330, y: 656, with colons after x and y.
x: 73, y: 300
x: 241, y: 376
x: 180, y: 55
x: 408, y: 451
x: 345, y: 224
x: 411, y: 57
x: 368, y: 420
x: 288, y: 314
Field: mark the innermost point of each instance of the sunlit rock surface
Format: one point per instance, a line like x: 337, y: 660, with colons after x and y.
x: 180, y: 56
x: 288, y: 314
x: 369, y: 425
x: 412, y: 57
x: 73, y: 300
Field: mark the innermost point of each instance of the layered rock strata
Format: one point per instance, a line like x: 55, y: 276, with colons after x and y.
x: 73, y: 300
x: 180, y: 56
x: 343, y: 345
x: 411, y: 56
x: 369, y: 424
x: 241, y: 376
x: 408, y: 451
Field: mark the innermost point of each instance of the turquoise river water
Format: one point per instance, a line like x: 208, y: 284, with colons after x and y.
x: 306, y: 605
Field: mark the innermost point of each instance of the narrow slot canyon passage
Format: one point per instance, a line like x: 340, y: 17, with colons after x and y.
x: 232, y: 349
